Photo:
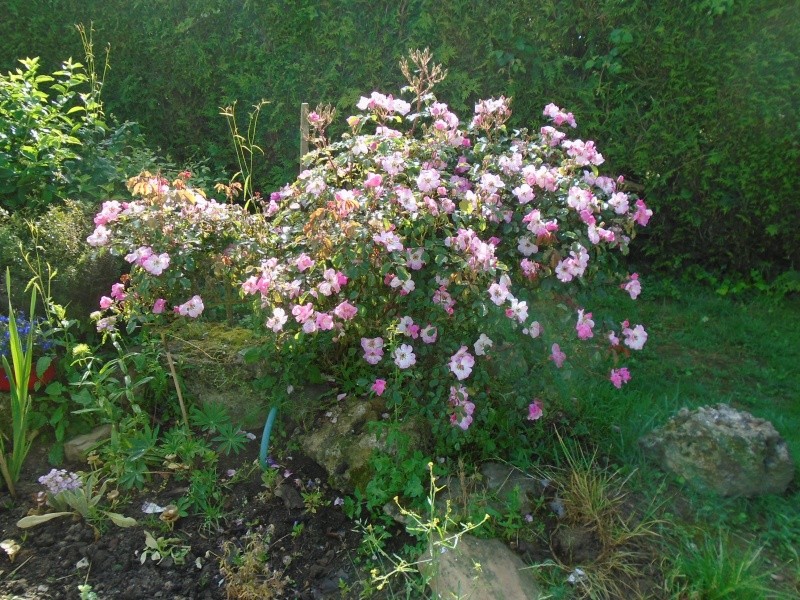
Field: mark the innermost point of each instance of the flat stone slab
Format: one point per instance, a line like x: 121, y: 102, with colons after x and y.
x: 477, y: 569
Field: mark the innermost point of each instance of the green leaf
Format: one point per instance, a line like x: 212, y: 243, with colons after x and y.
x: 34, y: 520
x: 121, y: 520
x: 42, y: 365
x: 150, y: 541
x: 55, y: 388
x: 413, y: 488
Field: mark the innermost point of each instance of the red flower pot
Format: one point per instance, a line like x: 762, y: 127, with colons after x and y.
x: 48, y: 376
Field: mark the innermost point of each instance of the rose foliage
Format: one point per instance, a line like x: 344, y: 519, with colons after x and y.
x: 426, y: 254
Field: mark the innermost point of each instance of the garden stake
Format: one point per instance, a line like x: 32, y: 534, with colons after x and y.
x: 262, y: 455
x: 175, y: 381
x: 304, y: 132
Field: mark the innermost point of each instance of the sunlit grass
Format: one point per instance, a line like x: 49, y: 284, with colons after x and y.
x: 704, y: 349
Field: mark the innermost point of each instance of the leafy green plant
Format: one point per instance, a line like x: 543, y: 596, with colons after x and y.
x: 400, y: 474
x: 18, y: 372
x: 214, y: 419
x: 111, y: 384
x: 230, y: 439
x: 184, y: 451
x: 209, y: 417
x: 204, y: 497
x: 314, y: 500
x: 246, y: 150
x: 297, y: 530
x: 158, y: 549
x: 132, y: 452
x: 439, y: 532
x: 87, y: 593
x: 83, y: 501
x: 43, y: 137
x: 270, y: 478
x: 54, y: 408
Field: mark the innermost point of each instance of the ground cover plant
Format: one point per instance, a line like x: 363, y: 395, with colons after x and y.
x: 455, y: 274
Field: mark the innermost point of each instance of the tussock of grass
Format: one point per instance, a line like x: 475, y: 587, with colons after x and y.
x: 596, y: 501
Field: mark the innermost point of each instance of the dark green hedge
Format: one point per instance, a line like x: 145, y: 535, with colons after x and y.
x: 695, y: 101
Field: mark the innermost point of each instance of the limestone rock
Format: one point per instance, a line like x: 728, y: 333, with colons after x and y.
x: 344, y: 442
x: 722, y: 450
x: 504, y: 479
x: 478, y: 569
x: 77, y: 449
x: 211, y: 358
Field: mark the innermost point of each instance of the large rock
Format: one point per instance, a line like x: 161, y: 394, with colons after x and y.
x: 344, y: 442
x: 722, y: 450
x: 477, y: 569
x: 211, y: 358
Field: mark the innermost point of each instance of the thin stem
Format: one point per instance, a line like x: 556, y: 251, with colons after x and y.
x: 175, y: 381
x: 7, y: 476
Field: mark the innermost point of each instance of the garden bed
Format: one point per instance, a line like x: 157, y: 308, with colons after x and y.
x: 303, y: 555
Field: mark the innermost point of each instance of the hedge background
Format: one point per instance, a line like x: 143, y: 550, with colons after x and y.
x: 696, y: 101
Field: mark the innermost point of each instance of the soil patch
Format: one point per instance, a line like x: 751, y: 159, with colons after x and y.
x: 297, y: 553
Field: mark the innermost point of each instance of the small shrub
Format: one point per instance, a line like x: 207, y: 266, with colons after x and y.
x: 41, y: 133
x: 422, y: 262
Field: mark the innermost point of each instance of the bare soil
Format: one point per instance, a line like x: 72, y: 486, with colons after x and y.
x: 58, y: 556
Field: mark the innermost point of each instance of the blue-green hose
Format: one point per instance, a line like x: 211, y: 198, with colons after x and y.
x: 262, y: 455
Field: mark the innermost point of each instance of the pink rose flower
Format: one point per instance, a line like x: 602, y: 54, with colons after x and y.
x: 557, y: 356
x: 535, y: 410
x: 303, y: 262
x: 619, y: 377
x: 345, y: 311
x: 379, y: 386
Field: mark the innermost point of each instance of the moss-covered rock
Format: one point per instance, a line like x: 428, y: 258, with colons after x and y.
x: 210, y: 358
x: 722, y: 450
x: 344, y: 442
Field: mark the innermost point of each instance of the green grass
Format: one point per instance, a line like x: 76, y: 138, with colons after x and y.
x: 713, y: 568
x: 704, y: 349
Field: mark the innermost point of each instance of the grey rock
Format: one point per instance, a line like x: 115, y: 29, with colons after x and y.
x: 722, y: 450
x: 476, y: 569
x: 504, y: 479
x: 344, y: 442
x: 77, y: 449
x: 292, y: 499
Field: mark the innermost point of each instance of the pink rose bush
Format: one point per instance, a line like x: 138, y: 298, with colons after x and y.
x: 416, y: 250
x: 180, y: 246
x: 440, y: 235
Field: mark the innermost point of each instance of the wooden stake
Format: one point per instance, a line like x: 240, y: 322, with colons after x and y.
x: 175, y: 381
x: 304, y: 130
